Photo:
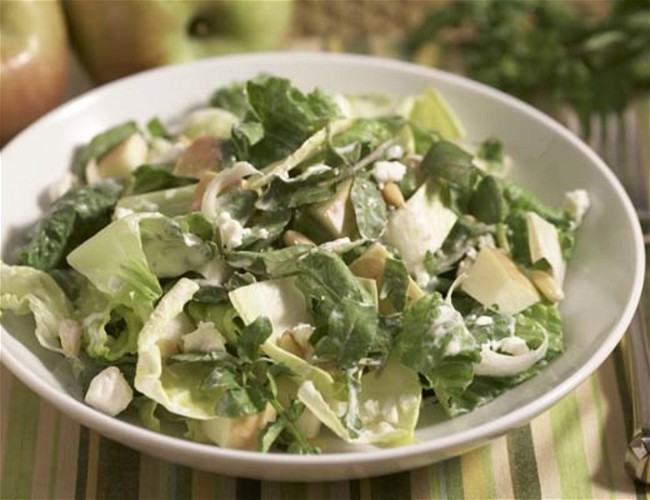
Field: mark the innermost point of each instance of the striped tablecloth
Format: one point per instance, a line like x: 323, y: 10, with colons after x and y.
x: 575, y: 450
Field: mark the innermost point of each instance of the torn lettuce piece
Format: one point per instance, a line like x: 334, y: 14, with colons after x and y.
x: 170, y: 202
x: 115, y: 262
x: 172, y: 251
x: 176, y: 386
x: 386, y: 404
x: 109, y: 329
x: 27, y: 290
x: 435, y: 341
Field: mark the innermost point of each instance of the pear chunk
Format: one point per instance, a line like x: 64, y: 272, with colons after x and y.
x: 120, y: 161
x: 544, y: 243
x: 494, y: 280
x: 337, y: 215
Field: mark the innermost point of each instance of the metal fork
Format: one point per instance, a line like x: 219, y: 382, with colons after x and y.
x: 615, y: 138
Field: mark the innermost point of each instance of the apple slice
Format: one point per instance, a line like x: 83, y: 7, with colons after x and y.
x: 494, y: 280
x: 120, y: 161
x: 238, y: 433
x: 203, y: 155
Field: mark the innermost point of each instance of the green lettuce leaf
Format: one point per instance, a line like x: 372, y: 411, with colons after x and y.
x: 26, y: 290
x: 175, y: 385
x: 116, y: 264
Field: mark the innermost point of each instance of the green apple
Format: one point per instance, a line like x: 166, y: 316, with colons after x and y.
x: 120, y: 37
x: 33, y: 62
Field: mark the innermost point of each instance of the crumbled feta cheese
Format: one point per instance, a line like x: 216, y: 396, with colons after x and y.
x: 109, y: 392
x: 484, y: 321
x: 388, y: 171
x: 422, y: 278
x: 452, y: 348
x: 263, y: 233
x: 231, y: 231
x: 514, y: 345
x: 395, y: 152
x: 577, y: 203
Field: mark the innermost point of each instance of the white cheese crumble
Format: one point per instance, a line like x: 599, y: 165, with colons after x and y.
x: 394, y: 152
x: 388, y: 171
x: 109, y: 392
x: 484, y: 321
x: 231, y: 231
x: 577, y: 203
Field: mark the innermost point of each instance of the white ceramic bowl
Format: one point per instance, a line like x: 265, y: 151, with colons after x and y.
x: 603, y: 284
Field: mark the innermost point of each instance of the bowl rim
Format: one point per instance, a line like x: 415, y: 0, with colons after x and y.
x: 142, y: 438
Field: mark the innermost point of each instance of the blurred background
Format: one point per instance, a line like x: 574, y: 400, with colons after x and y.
x: 580, y: 56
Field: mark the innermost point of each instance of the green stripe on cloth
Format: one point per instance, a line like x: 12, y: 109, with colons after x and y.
x: 390, y: 487
x: 523, y: 464
x: 118, y: 470
x: 55, y: 453
x: 180, y: 481
x: 452, y: 486
x: 20, y: 445
x: 570, y: 449
x: 477, y: 474
x: 290, y: 491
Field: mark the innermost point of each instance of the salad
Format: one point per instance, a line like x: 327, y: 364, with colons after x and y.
x: 279, y: 265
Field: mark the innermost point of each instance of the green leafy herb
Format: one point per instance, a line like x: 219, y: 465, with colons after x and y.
x: 288, y: 117
x: 395, y: 283
x: 156, y: 128
x: 70, y: 221
x: 369, y: 208
x: 147, y: 178
x: 232, y: 98
x: 435, y: 342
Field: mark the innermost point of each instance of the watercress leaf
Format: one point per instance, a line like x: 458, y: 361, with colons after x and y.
x: 269, y: 263
x: 488, y: 203
x: 369, y: 208
x: 71, y: 220
x: 445, y: 161
x: 235, y: 403
x: 435, y: 342
x: 232, y: 98
x: 269, y: 435
x: 265, y: 227
x: 148, y: 178
x: 287, y: 115
x: 252, y: 337
x: 156, y: 128
x: 351, y: 333
x: 222, y: 376
x: 395, y: 283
